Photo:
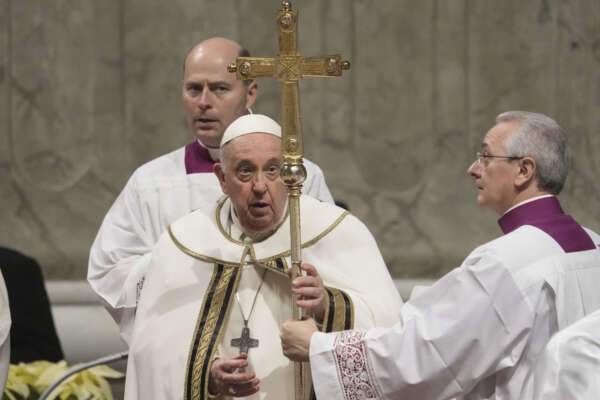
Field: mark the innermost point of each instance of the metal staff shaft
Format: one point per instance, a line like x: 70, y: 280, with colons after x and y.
x: 288, y: 68
x: 293, y: 175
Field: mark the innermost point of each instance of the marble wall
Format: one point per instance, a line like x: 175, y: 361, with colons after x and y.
x: 91, y: 89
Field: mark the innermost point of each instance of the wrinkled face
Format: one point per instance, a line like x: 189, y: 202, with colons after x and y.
x: 495, y: 177
x: 212, y: 96
x: 250, y: 176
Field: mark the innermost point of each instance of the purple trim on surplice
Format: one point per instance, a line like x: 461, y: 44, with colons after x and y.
x: 197, y: 159
x: 547, y: 215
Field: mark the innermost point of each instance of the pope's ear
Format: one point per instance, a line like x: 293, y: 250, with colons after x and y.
x: 527, y: 170
x: 218, y: 171
x: 251, y: 93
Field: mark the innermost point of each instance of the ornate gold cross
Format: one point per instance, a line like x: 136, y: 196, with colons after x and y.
x: 288, y: 68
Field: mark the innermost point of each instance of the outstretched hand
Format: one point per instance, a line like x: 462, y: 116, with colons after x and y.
x: 310, y: 291
x: 227, y: 379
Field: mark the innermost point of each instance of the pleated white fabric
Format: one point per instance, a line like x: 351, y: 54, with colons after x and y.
x: 476, y: 333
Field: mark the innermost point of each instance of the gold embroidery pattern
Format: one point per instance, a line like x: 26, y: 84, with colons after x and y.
x: 192, y: 253
x: 339, y: 313
x: 270, y: 263
x: 326, y: 231
x: 316, y: 238
x: 218, y: 299
x: 265, y: 261
x: 211, y: 320
x: 220, y: 224
x: 277, y: 264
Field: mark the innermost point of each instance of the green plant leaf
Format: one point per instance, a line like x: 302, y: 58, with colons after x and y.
x: 26, y: 380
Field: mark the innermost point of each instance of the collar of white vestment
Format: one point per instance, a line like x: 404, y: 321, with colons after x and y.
x: 233, y: 227
x: 202, y: 234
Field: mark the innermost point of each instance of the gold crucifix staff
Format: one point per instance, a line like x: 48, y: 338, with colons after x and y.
x: 288, y: 68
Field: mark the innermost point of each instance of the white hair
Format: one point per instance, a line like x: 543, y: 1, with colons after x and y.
x: 542, y: 139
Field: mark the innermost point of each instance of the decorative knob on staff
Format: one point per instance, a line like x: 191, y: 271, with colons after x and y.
x: 288, y: 68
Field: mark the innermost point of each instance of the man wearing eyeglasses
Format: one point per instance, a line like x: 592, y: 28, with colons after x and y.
x: 523, y: 156
x: 478, y: 331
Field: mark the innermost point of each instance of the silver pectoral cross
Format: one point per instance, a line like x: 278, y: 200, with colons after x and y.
x: 244, y: 342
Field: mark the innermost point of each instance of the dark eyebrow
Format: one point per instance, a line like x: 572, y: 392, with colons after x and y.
x: 218, y: 83
x: 192, y: 84
x: 211, y: 84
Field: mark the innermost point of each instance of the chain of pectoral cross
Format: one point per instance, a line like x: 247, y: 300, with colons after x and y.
x: 245, y: 342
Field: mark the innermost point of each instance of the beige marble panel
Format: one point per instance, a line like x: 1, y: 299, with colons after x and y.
x: 310, y: 40
x: 329, y: 103
x: 94, y: 91
x: 53, y: 77
x: 4, y: 85
x: 439, y: 212
x: 393, y: 84
x: 510, y: 65
x: 543, y: 60
x: 393, y: 143
x: 511, y: 60
x: 257, y: 32
x: 577, y: 86
x: 52, y: 195
x: 157, y: 37
x: 115, y: 145
x: 52, y: 122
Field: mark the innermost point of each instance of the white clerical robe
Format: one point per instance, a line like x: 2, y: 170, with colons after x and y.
x: 157, y: 194
x: 5, y: 323
x: 476, y: 333
x: 569, y: 368
x: 188, y: 311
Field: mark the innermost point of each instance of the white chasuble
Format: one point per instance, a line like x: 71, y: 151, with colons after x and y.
x: 157, y: 194
x: 188, y: 312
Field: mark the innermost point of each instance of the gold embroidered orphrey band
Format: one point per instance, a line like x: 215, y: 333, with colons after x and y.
x: 213, y: 316
x: 218, y: 299
x: 248, y: 247
x: 209, y: 329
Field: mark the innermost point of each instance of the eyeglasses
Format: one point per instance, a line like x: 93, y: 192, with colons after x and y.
x: 479, y: 156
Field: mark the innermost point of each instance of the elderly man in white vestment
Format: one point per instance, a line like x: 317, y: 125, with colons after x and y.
x: 478, y: 331
x: 171, y: 186
x: 217, y: 290
x: 569, y: 368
